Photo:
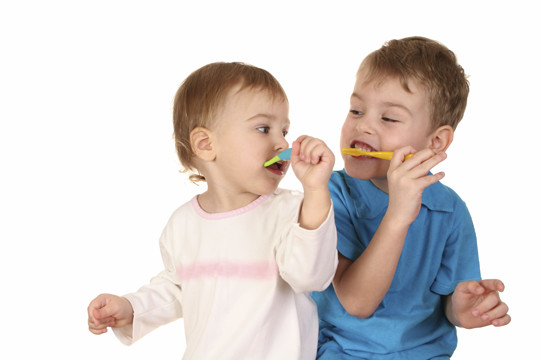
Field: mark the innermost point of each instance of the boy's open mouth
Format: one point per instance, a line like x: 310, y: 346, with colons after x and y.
x: 365, y: 148
x: 362, y: 146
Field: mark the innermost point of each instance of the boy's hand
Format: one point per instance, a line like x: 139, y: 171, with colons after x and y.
x: 312, y: 162
x: 477, y: 304
x: 407, y: 179
x: 109, y: 311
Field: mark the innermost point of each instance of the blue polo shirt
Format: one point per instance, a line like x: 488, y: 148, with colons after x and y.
x: 439, y: 252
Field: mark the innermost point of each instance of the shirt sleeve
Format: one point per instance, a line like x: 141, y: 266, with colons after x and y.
x: 307, y: 259
x: 460, y: 257
x: 348, y: 244
x: 156, y: 303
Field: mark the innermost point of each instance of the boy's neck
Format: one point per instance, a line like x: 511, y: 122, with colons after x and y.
x: 381, y: 184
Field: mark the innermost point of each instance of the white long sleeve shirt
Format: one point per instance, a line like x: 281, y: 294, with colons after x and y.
x: 241, y: 280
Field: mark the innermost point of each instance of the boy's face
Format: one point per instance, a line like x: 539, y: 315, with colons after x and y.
x: 383, y: 117
x: 250, y: 129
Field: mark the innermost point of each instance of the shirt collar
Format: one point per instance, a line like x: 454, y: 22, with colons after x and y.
x: 371, y: 201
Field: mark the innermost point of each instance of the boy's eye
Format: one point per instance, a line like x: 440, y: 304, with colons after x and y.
x: 264, y: 129
x: 355, y: 112
x: 285, y: 132
x: 389, y: 120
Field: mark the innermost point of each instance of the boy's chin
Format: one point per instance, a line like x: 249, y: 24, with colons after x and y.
x: 363, y: 173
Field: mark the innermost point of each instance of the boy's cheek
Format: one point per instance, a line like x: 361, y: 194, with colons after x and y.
x: 347, y: 133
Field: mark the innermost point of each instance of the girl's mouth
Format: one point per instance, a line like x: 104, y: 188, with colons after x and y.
x: 279, y: 167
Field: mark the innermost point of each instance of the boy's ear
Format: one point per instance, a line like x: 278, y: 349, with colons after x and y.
x: 201, y: 143
x: 441, y: 138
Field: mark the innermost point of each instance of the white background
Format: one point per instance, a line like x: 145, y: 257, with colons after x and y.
x: 88, y: 173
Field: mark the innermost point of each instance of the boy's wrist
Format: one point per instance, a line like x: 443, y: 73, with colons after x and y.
x: 395, y: 222
x: 397, y: 219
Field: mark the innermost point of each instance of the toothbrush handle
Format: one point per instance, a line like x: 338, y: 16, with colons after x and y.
x: 386, y: 155
x: 285, y: 154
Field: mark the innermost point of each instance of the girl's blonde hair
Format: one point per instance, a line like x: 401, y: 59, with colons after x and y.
x: 201, y: 95
x: 430, y: 63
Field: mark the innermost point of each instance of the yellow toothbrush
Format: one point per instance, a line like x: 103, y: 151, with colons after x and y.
x: 386, y: 155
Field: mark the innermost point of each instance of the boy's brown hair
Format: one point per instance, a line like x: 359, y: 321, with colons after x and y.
x: 202, y: 93
x: 433, y: 66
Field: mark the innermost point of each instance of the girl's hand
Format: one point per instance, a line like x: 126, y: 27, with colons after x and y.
x: 109, y: 311
x: 312, y: 162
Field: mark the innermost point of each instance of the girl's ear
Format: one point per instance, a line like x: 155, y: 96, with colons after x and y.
x: 441, y: 138
x: 201, y: 143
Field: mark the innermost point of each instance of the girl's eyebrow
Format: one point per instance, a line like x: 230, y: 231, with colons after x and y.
x: 269, y: 117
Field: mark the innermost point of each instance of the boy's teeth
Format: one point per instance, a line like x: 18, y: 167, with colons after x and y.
x: 361, y: 148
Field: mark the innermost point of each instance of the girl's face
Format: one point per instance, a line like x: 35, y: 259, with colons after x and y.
x: 250, y: 129
x: 383, y: 117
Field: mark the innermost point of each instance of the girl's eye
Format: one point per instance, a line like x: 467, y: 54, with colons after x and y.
x: 264, y: 129
x: 389, y: 120
x: 355, y: 112
x: 285, y: 132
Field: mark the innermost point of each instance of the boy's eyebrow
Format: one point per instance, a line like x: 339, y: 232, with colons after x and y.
x: 392, y: 104
x: 386, y: 103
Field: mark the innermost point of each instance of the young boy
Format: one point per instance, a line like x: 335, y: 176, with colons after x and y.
x: 241, y: 258
x: 408, y: 268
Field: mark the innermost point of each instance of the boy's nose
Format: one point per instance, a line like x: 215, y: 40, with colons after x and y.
x: 365, y: 125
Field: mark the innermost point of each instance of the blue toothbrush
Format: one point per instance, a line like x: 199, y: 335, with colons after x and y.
x: 285, y: 155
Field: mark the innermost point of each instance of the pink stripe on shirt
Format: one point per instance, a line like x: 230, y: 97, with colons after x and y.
x: 228, y: 269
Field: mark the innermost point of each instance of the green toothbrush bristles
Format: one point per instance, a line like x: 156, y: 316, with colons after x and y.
x: 272, y: 161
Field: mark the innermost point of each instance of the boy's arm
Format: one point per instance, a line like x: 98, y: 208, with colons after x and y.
x: 362, y: 284
x: 477, y: 304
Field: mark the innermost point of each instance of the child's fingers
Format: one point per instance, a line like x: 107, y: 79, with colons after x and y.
x: 490, y: 301
x: 426, y: 181
x: 472, y: 287
x: 95, y: 304
x: 98, y: 326
x: 498, y: 314
x: 424, y: 161
x: 492, y: 284
x: 399, y: 156
x: 312, y: 150
x: 505, y: 320
x: 401, y: 153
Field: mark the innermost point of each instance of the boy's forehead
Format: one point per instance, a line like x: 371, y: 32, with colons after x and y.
x: 393, y: 93
x: 410, y: 85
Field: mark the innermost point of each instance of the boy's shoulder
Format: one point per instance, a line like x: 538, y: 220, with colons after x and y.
x: 437, y: 197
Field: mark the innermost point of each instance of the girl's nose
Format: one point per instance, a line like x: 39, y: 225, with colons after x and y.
x: 281, y: 144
